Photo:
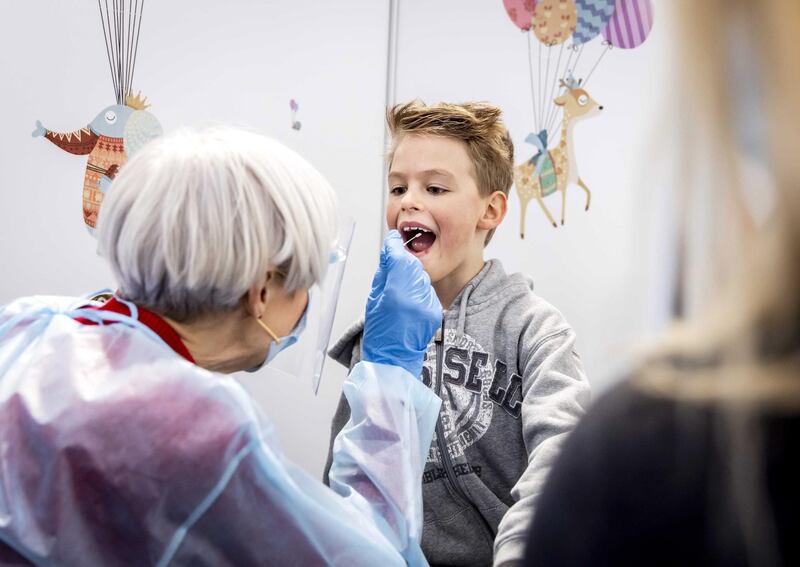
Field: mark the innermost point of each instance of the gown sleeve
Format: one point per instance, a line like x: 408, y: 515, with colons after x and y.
x: 265, y: 510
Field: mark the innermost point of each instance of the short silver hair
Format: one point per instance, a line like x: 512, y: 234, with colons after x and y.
x: 194, y: 219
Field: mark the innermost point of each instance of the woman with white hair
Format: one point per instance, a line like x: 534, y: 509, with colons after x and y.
x: 122, y: 440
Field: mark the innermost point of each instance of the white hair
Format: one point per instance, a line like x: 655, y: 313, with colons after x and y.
x: 195, y: 219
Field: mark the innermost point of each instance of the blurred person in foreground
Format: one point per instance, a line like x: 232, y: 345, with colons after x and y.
x: 694, y: 458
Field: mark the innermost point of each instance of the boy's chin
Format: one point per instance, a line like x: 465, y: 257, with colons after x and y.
x: 435, y: 272
x: 428, y: 266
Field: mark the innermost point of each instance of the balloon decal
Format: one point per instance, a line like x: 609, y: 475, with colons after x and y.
x: 554, y: 21
x: 554, y: 89
x: 593, y: 15
x: 520, y: 12
x: 631, y: 23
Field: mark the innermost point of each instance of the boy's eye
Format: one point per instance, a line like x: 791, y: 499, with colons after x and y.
x: 433, y: 189
x: 398, y: 190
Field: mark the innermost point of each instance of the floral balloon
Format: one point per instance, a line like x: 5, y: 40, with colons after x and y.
x: 554, y: 20
x: 520, y: 12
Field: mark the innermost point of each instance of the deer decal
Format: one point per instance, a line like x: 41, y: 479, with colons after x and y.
x: 554, y: 170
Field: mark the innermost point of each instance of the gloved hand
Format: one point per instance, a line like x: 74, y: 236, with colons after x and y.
x: 403, y: 311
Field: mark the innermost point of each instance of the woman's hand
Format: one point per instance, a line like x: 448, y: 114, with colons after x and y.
x: 403, y: 311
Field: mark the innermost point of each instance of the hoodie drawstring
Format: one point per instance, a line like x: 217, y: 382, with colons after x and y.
x: 462, y: 309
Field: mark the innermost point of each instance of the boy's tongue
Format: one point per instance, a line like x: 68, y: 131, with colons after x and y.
x: 422, y: 242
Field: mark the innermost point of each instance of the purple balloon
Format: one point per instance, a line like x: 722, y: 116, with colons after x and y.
x: 631, y: 23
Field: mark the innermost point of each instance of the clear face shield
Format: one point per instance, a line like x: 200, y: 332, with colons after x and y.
x: 306, y: 357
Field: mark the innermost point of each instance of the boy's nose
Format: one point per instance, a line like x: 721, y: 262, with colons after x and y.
x: 410, y: 201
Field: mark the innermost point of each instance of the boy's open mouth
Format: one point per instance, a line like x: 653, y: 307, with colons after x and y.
x: 423, y: 238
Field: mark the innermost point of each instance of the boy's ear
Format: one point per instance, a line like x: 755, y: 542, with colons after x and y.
x: 495, y: 211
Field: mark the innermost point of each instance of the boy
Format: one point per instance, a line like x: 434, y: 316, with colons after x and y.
x: 504, y: 361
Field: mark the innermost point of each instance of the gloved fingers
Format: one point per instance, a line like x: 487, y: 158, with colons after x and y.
x: 410, y: 280
x: 393, y: 250
x: 401, y: 282
x: 379, y: 280
x: 378, y: 283
x: 401, y: 265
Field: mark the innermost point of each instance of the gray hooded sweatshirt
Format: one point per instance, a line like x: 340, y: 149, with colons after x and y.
x: 512, y: 387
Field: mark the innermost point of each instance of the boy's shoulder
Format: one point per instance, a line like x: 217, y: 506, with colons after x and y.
x: 347, y: 349
x: 514, y: 295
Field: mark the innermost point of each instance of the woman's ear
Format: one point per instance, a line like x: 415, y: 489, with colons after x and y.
x: 495, y: 211
x: 256, y: 297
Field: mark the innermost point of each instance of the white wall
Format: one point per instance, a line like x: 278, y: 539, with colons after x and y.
x: 205, y: 62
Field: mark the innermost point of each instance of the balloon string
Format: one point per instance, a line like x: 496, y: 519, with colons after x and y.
x: 578, y: 59
x: 530, y: 74
x: 123, y: 36
x: 112, y: 50
x: 108, y: 46
x: 546, y: 80
x: 120, y: 53
x: 552, y: 89
x: 572, y: 72
x: 539, y: 87
x: 120, y: 50
x: 137, y: 29
x: 129, y: 47
x: 554, y: 110
x: 121, y: 23
x: 603, y: 54
x: 112, y: 18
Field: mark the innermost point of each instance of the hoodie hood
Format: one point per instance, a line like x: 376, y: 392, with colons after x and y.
x: 491, y: 284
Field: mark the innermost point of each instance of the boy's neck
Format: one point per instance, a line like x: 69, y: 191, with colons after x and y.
x: 448, y: 288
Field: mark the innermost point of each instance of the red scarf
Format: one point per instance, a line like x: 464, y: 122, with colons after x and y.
x: 148, y: 318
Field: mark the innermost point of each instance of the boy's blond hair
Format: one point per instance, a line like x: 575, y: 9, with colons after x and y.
x: 478, y: 124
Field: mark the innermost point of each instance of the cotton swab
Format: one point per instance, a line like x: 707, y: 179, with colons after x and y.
x: 412, y: 238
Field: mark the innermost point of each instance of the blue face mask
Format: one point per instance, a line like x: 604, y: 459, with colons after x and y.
x: 276, y: 347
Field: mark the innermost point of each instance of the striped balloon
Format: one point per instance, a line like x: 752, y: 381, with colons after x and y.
x: 631, y: 23
x: 593, y: 15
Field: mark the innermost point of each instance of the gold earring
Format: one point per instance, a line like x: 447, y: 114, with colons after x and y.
x: 269, y: 331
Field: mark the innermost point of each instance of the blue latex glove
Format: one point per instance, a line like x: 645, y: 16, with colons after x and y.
x: 403, y: 311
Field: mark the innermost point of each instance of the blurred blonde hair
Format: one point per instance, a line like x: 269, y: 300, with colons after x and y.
x: 478, y: 124
x: 752, y: 330
x: 741, y: 357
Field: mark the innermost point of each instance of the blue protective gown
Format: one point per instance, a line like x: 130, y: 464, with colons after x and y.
x: 114, y: 450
